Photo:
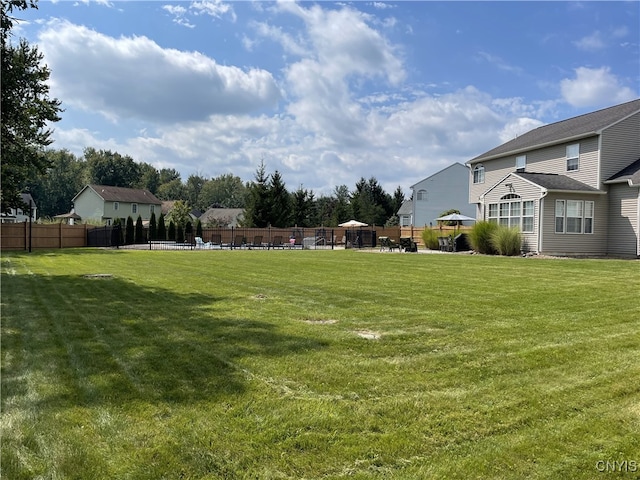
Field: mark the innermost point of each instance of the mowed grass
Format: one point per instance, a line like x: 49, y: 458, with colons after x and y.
x: 318, y: 364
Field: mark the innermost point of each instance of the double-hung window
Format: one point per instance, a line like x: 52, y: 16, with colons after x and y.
x: 116, y: 205
x: 478, y: 174
x: 521, y: 162
x: 573, y: 157
x: 422, y: 195
x: 134, y: 208
x: 574, y: 216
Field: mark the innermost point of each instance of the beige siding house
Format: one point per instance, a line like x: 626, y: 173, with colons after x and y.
x: 106, y: 203
x: 572, y: 187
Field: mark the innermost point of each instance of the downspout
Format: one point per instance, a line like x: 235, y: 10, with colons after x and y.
x: 540, y: 217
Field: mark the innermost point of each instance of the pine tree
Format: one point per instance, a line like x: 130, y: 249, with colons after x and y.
x: 153, y: 227
x: 129, y: 232
x: 140, y: 236
x: 172, y: 231
x: 162, y: 230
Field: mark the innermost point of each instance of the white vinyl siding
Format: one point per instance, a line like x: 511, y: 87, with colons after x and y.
x: 624, y: 229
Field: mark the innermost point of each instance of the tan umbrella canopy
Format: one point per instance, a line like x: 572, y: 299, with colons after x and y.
x: 353, y: 224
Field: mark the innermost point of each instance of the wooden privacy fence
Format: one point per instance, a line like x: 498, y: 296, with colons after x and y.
x: 21, y: 236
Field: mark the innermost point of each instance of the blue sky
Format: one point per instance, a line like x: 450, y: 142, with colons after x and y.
x: 327, y: 92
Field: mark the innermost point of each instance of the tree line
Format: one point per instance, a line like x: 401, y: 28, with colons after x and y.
x: 265, y: 200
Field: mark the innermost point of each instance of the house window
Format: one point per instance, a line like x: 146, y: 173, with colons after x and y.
x: 512, y: 212
x: 521, y: 162
x: 527, y: 216
x: 588, y: 217
x: 152, y: 209
x: 478, y: 174
x: 574, y: 216
x: 406, y: 220
x: 134, y: 208
x: 116, y: 205
x: 573, y: 157
x: 422, y: 195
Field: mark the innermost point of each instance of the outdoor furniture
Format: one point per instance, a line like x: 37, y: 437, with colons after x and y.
x: 389, y: 243
x: 257, y: 242
x: 238, y: 242
x: 408, y: 245
x: 445, y: 244
x: 277, y: 242
x: 216, y: 239
x: 201, y: 244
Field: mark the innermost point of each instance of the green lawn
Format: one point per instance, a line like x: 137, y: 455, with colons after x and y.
x: 318, y: 364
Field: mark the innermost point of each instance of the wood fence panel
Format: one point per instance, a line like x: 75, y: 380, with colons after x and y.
x: 15, y: 236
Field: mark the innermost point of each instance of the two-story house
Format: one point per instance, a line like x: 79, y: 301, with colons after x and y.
x: 21, y: 214
x: 572, y: 187
x: 445, y: 190
x: 106, y: 203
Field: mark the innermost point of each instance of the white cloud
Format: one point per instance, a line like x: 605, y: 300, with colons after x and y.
x: 133, y: 77
x: 594, y: 87
x: 215, y: 9
x: 591, y: 43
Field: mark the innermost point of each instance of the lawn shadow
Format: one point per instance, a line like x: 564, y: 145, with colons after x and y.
x: 107, y: 341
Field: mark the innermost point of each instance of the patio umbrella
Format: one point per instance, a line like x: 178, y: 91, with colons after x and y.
x: 353, y: 224
x: 456, y: 217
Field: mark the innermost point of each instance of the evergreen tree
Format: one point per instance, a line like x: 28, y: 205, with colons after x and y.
x: 199, y: 228
x: 258, y: 206
x: 280, y: 202
x: 162, y: 229
x: 129, y: 232
x: 172, y: 231
x: 140, y: 236
x: 153, y: 227
x: 303, y: 208
x: 26, y: 109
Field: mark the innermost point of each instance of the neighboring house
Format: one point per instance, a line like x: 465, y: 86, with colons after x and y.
x: 106, y: 203
x: 446, y: 190
x: 572, y: 187
x: 21, y: 215
x: 222, y: 217
x: 405, y: 214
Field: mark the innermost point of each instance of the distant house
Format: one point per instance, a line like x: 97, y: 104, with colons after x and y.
x: 405, y: 214
x: 21, y: 214
x: 222, y: 217
x: 106, y: 203
x: 445, y: 190
x: 571, y: 187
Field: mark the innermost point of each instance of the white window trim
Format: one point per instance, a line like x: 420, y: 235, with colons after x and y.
x: 134, y: 208
x: 507, y: 202
x: 585, y: 205
x: 116, y: 205
x: 521, y: 162
x: 479, y: 178
x: 575, y: 158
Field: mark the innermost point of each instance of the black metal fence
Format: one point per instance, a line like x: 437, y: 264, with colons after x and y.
x: 267, y: 238
x: 108, y: 236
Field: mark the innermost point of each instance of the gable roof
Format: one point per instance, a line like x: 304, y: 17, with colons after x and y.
x: 406, y: 208
x: 453, y: 165
x: 630, y: 174
x: 573, y: 128
x: 121, y: 194
x: 230, y: 216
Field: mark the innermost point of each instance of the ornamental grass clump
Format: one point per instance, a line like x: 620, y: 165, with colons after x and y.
x: 480, y: 237
x: 430, y: 239
x: 506, y: 240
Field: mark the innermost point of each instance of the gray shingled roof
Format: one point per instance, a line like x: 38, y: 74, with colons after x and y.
x: 632, y: 172
x: 552, y: 181
x: 576, y: 127
x: 121, y: 194
x: 406, y: 208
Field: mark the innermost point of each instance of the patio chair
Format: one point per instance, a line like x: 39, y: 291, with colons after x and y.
x: 277, y: 242
x: 216, y: 239
x: 257, y: 242
x: 238, y: 242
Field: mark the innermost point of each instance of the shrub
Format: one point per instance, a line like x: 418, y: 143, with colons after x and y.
x: 140, y: 235
x: 198, y: 228
x: 430, y: 239
x: 480, y: 237
x: 129, y: 232
x: 153, y: 228
x: 507, y: 241
x: 172, y: 231
x: 162, y: 230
